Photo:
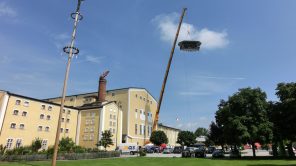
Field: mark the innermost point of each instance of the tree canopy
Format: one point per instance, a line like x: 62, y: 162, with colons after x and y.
x: 201, y: 132
x: 106, y: 140
x: 158, y: 138
x: 243, y: 118
x: 186, y: 138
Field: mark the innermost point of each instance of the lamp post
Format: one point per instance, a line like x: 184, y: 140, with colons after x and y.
x: 71, y: 51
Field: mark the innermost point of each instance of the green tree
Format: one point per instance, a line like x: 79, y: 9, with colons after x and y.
x: 36, y: 144
x: 216, y: 134
x: 158, y: 138
x: 283, y: 115
x: 106, y: 140
x: 244, y: 118
x: 201, y: 132
x: 186, y: 138
x: 66, y: 144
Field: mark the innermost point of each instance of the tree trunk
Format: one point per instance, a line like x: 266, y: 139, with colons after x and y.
x: 275, y: 152
x: 253, y: 148
x: 290, y: 150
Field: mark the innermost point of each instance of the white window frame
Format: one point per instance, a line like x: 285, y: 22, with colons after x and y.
x: 14, y: 125
x: 44, y: 144
x: 9, y: 143
x: 47, y: 128
x: 48, y: 117
x: 66, y: 130
x: 40, y: 128
x: 18, y: 143
x: 43, y: 105
x: 15, y: 112
x: 18, y: 103
x: 25, y: 113
x: 26, y: 103
x: 49, y: 108
x: 22, y: 128
x: 41, y: 116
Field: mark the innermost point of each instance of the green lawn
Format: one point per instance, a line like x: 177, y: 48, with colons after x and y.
x: 158, y: 162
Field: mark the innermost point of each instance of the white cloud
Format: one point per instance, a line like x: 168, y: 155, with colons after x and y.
x: 6, y: 10
x: 167, y: 24
x: 192, y: 126
x: 60, y: 40
x: 93, y: 59
x: 206, y: 85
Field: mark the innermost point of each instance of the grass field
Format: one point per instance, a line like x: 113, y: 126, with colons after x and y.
x: 158, y: 162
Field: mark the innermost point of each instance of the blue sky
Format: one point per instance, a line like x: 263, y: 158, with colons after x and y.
x: 245, y: 43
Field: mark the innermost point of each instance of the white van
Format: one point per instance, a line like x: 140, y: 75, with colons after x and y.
x: 131, y: 148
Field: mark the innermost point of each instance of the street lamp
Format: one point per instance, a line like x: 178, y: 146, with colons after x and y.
x: 71, y: 51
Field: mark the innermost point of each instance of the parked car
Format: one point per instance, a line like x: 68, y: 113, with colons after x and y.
x: 167, y: 151
x: 211, y: 149
x: 149, y: 149
x: 218, y: 153
x: 178, y: 149
x: 235, y: 153
x: 200, y: 151
x: 189, y: 152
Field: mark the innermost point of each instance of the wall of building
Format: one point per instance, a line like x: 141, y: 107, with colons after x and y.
x: 94, y: 121
x: 141, y: 116
x: 26, y: 114
x: 171, y: 133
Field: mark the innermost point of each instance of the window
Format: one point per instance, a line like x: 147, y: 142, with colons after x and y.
x: 141, y: 97
x: 71, y: 99
x: 63, y: 119
x: 26, y: 104
x: 91, y: 137
x: 39, y: 128
x: 64, y: 110
x: 69, y: 112
x: 15, y: 112
x: 22, y: 126
x: 18, y: 143
x: 114, y: 123
x: 136, y: 113
x: 17, y: 102
x: 144, y: 99
x: 110, y: 116
x: 141, y: 111
x: 46, y: 128
x: 67, y: 131
x: 62, y: 130
x: 150, y: 102
x: 110, y: 123
x: 140, y: 129
x: 44, y: 144
x: 49, y: 108
x: 91, y: 129
x: 85, y: 137
x: 93, y: 114
x: 12, y: 125
x: 43, y: 107
x: 92, y: 122
x: 24, y: 113
x: 48, y: 117
x: 41, y: 116
x: 114, y: 117
x: 113, y: 131
x: 86, y: 130
x: 113, y: 94
x: 9, y: 143
x: 68, y: 120
x: 136, y: 96
x: 144, y: 129
x: 136, y: 129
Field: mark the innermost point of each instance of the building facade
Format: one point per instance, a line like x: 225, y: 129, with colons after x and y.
x: 171, y: 133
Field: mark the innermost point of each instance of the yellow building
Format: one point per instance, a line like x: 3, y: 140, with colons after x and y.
x: 138, y: 109
x: 22, y: 119
x: 171, y: 133
x: 128, y: 113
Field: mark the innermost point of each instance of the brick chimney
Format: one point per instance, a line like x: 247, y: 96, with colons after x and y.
x: 102, y: 87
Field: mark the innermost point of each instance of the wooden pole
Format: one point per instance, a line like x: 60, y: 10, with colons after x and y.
x: 167, y: 72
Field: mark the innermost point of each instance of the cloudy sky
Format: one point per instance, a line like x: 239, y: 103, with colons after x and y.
x: 244, y: 43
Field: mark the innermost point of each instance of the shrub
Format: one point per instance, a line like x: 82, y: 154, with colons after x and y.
x: 66, y: 145
x: 142, y: 152
x: 36, y: 144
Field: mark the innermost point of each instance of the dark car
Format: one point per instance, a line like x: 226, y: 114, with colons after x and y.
x: 189, y: 152
x: 200, y: 150
x: 167, y: 151
x: 149, y: 149
x: 211, y: 149
x: 178, y: 149
x: 218, y: 153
